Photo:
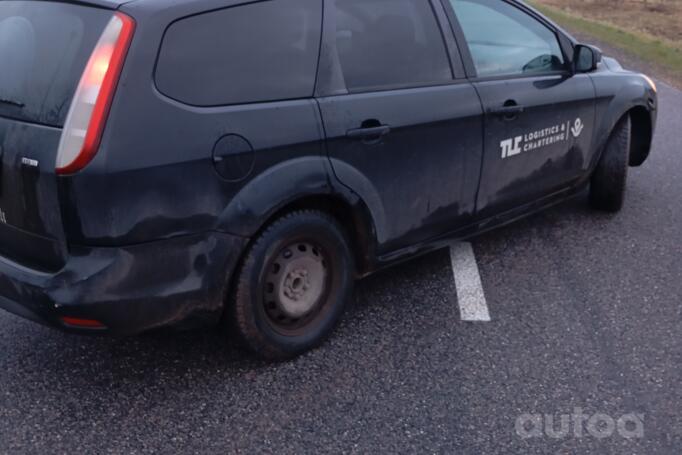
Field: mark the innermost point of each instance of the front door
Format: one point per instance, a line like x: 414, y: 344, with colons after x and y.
x: 539, y: 116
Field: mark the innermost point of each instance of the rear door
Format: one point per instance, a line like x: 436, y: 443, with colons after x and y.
x: 44, y: 48
x: 539, y: 117
x: 403, y: 125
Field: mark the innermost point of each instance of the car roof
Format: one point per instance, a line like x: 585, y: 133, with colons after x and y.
x: 154, y: 4
x: 113, y: 4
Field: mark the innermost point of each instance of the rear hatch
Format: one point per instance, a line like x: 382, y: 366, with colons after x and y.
x: 44, y: 48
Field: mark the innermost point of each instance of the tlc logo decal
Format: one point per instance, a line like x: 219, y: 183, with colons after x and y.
x: 511, y: 147
x: 541, y: 138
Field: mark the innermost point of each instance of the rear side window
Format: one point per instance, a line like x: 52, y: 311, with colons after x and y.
x: 385, y: 44
x: 44, y: 48
x: 263, y: 51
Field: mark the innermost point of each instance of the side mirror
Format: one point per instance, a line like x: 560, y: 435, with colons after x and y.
x: 586, y: 58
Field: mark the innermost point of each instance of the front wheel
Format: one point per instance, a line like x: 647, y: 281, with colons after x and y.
x: 293, y: 285
x: 607, y: 188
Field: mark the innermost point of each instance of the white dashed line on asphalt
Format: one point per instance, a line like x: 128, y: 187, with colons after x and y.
x: 470, y: 296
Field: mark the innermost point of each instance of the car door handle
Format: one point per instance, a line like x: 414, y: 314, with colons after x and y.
x: 375, y: 132
x: 506, y: 111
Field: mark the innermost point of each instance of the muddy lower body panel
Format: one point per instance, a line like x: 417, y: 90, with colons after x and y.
x: 178, y: 282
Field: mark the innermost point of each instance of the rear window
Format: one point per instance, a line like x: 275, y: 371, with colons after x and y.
x: 263, y: 51
x: 44, y: 48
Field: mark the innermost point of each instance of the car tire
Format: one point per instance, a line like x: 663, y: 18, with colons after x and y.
x: 293, y: 285
x: 607, y: 188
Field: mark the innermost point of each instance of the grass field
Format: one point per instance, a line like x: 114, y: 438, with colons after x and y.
x: 649, y: 30
x: 660, y: 19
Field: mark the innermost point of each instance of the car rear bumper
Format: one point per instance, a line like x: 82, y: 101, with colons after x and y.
x: 174, y: 282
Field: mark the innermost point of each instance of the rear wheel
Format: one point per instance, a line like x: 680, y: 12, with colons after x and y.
x: 293, y: 285
x: 607, y: 189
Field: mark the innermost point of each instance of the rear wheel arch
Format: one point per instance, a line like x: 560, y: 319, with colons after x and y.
x: 348, y: 210
x: 352, y: 215
x: 293, y: 283
x: 305, y: 183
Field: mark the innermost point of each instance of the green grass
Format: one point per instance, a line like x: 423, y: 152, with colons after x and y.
x: 642, y: 46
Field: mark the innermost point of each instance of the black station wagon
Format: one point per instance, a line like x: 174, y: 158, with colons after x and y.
x: 187, y: 163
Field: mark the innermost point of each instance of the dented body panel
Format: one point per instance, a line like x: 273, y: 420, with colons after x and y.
x: 128, y: 289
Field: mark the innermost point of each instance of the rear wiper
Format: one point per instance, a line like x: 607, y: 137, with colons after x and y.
x: 12, y: 103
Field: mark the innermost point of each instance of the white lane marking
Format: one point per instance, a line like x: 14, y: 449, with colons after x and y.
x: 470, y: 296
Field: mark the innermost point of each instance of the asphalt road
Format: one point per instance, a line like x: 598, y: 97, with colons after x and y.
x: 586, y: 313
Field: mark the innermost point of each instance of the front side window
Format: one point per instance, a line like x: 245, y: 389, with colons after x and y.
x: 385, y: 44
x: 263, y: 51
x: 503, y: 40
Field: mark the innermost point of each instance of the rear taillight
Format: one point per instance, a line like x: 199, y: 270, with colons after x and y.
x: 91, y: 103
x: 80, y: 323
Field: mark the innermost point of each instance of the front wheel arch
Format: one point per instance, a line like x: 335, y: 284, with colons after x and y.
x: 608, y: 181
x: 642, y: 135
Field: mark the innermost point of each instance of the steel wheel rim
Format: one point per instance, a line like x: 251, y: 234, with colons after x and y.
x: 296, y: 286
